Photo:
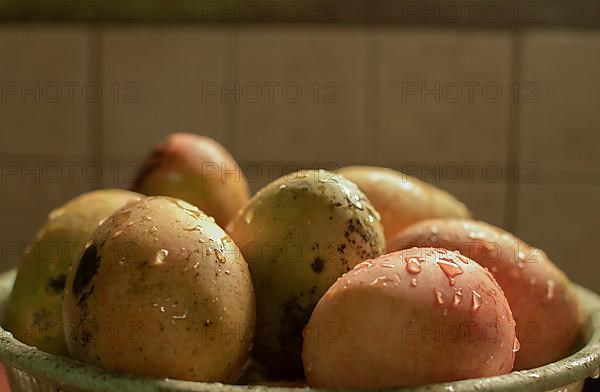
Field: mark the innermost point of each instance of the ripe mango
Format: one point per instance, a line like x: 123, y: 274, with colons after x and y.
x: 198, y: 170
x: 34, y: 311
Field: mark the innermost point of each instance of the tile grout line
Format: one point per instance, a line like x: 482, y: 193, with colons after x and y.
x: 513, y: 136
x: 95, y: 108
x: 371, y: 130
x: 231, y: 76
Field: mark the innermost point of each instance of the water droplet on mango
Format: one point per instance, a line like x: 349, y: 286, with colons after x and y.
x: 476, y: 301
x: 413, y: 265
x: 161, y: 255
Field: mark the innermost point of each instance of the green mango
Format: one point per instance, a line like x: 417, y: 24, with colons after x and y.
x: 299, y: 234
x: 34, y: 311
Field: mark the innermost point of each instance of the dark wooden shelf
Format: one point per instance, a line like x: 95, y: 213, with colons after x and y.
x: 493, y: 14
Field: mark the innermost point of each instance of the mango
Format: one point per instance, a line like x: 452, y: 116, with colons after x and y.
x: 298, y: 235
x: 34, y: 311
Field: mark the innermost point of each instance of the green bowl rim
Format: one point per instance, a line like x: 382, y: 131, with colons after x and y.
x: 69, y: 373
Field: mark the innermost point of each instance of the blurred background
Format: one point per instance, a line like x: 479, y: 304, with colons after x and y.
x: 494, y: 101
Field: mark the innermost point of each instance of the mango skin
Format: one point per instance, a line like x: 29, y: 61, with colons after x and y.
x: 198, y: 170
x: 161, y: 291
x: 34, y: 311
x: 299, y: 234
x: 401, y: 199
x: 540, y: 295
x: 399, y: 321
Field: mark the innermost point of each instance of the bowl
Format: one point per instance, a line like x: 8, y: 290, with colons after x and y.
x: 30, y: 369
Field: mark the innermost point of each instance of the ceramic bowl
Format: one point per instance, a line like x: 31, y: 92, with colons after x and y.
x: 32, y: 370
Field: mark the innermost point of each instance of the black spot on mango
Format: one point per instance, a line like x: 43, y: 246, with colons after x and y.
x: 88, y: 267
x: 293, y: 319
x: 56, y: 284
x: 317, y: 265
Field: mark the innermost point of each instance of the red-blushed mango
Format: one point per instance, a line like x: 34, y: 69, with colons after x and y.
x: 198, y: 170
x: 540, y: 295
x: 409, y: 318
x: 401, y: 199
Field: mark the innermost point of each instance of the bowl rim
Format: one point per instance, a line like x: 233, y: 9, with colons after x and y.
x: 69, y: 373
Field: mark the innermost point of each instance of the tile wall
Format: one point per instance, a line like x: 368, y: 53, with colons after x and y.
x: 506, y: 120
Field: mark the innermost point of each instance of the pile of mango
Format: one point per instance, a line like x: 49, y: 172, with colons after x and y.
x: 365, y: 277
